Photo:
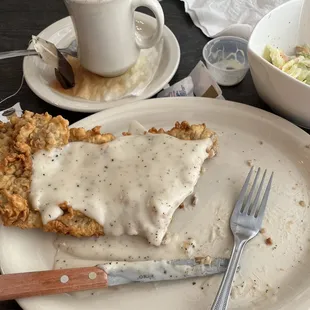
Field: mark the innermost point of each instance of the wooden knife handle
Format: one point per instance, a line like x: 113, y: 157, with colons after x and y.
x: 29, y: 284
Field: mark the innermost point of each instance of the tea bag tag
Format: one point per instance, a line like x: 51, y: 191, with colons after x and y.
x: 14, y: 110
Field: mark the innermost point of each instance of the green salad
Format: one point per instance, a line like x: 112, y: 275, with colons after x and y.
x: 297, y: 66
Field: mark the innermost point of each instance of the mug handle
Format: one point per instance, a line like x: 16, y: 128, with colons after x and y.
x: 156, y: 8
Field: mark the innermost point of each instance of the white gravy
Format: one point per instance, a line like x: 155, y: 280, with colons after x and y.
x: 131, y: 186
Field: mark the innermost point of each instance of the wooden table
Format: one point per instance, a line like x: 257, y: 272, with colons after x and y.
x: 21, y: 19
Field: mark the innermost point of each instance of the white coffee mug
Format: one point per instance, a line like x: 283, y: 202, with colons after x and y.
x: 108, y: 43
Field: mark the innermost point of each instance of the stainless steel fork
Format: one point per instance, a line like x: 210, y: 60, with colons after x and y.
x: 245, y: 223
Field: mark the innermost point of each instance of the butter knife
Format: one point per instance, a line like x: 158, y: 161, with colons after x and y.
x: 21, y: 285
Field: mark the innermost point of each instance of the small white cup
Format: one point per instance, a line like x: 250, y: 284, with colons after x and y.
x: 227, y: 60
x: 108, y: 43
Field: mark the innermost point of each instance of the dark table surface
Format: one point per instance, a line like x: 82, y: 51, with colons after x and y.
x: 21, y: 19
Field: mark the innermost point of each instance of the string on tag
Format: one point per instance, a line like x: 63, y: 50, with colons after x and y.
x: 18, y: 90
x: 20, y: 86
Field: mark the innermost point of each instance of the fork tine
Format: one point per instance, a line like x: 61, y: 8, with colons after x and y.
x: 262, y: 208
x: 243, y: 191
x: 255, y: 203
x: 248, y: 201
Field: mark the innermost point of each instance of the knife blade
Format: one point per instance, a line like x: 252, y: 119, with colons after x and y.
x: 152, y: 271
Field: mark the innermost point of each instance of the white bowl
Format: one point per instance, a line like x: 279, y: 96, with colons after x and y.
x: 285, y: 95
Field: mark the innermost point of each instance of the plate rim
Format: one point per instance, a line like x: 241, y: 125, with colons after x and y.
x: 284, y: 125
x: 67, y: 103
x: 244, y: 108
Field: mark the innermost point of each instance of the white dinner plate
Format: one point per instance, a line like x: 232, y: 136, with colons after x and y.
x: 38, y: 76
x: 271, y: 277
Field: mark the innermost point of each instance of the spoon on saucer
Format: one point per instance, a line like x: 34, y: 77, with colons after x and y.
x: 71, y: 49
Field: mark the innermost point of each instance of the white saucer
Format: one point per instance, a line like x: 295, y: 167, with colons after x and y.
x: 61, y: 33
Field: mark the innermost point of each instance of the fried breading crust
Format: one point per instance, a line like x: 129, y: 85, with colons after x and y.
x: 185, y: 131
x: 21, y: 137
